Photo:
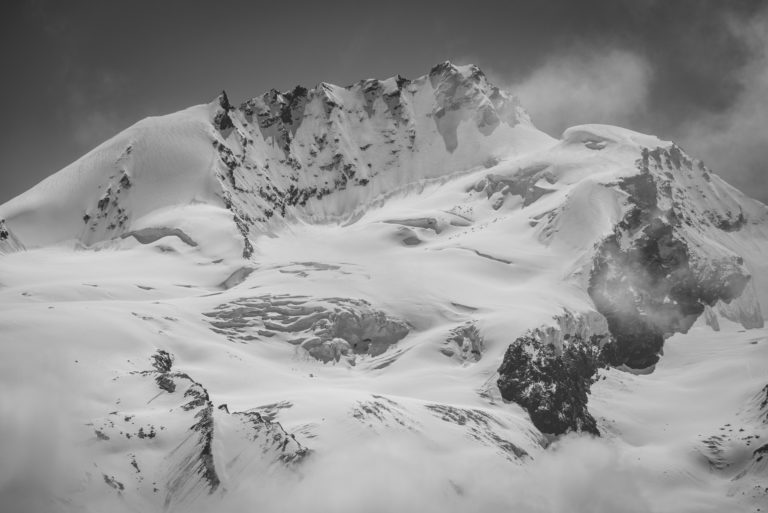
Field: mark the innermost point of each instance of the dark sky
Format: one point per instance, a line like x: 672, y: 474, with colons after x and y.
x: 77, y: 72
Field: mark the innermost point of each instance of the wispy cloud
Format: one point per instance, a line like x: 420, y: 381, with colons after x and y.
x: 92, y: 107
x: 586, y: 86
x: 734, y: 143
x: 92, y: 128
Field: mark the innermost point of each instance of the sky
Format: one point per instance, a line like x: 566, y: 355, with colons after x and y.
x: 76, y: 73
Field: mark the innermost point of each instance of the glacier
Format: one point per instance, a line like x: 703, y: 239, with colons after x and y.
x: 394, y: 295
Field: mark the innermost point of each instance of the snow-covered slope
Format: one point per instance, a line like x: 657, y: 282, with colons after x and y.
x: 394, y: 295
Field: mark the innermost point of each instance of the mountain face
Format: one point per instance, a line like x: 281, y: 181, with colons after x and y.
x: 271, y: 292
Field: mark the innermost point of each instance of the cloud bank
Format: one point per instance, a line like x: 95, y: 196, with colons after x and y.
x: 734, y: 143
x: 615, y: 86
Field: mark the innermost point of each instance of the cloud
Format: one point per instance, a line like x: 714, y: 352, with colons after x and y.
x: 401, y: 473
x: 91, y: 106
x: 37, y: 444
x: 617, y: 87
x: 94, y: 127
x: 376, y: 474
x: 586, y: 86
x: 734, y: 142
x: 577, y: 474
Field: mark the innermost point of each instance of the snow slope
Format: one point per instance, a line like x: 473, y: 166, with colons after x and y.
x: 311, y: 300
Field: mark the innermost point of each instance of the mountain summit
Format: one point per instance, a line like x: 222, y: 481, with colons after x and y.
x: 231, y: 295
x: 281, y: 154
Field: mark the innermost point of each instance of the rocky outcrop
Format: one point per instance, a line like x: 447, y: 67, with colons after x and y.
x: 221, y: 120
x: 110, y: 215
x: 278, y: 115
x: 549, y: 372
x: 651, y: 278
x: 167, y: 408
x: 464, y: 343
x: 8, y: 242
x: 525, y: 183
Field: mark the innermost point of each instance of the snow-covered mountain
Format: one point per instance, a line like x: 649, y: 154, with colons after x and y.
x: 393, y: 295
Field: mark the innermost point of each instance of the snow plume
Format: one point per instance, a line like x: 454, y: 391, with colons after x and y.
x: 585, y: 86
x: 733, y: 142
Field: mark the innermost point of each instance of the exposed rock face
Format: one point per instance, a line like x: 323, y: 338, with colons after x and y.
x: 222, y: 121
x: 110, y: 213
x: 282, y: 152
x: 744, y: 310
x: 328, y: 329
x: 762, y: 400
x: 549, y: 372
x: 650, y: 279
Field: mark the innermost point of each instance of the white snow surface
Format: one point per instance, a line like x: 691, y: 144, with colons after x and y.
x: 435, y: 238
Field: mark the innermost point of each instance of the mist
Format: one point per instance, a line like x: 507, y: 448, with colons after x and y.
x: 376, y: 474
x: 734, y: 143
x: 586, y: 86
